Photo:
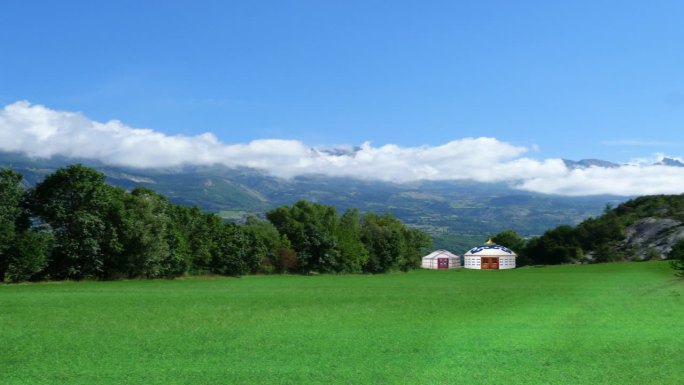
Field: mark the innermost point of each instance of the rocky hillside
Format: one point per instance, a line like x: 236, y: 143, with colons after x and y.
x: 643, y: 228
x: 651, y: 238
x: 652, y: 224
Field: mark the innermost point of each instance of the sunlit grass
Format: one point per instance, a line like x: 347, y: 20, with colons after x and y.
x: 613, y: 324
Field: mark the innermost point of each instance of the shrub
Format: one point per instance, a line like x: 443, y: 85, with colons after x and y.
x: 27, y: 256
x: 677, y: 257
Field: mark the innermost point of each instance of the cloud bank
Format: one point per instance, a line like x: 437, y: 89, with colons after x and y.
x: 42, y: 132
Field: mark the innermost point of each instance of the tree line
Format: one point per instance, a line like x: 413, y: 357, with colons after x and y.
x: 73, y: 225
x: 598, y: 239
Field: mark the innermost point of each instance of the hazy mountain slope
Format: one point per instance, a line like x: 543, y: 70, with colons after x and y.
x: 456, y: 213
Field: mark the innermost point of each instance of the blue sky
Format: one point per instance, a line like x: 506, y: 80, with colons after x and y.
x: 579, y: 79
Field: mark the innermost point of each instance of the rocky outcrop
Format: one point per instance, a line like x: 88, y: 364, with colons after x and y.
x: 652, y: 238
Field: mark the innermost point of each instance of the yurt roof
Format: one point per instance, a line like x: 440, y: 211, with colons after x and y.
x: 440, y: 254
x: 490, y: 249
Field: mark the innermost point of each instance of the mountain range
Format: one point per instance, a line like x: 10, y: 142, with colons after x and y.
x: 457, y: 214
x: 586, y: 163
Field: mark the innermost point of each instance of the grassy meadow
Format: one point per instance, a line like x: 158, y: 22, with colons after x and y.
x: 620, y: 323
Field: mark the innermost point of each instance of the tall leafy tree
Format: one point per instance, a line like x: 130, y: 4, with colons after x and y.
x: 75, y: 202
x: 391, y: 244
x: 310, y: 227
x: 201, y: 233
x: 11, y: 196
x: 354, y: 254
x: 145, y: 233
x: 556, y: 246
x: 231, y: 255
x: 264, y: 241
x: 417, y: 244
x: 509, y: 239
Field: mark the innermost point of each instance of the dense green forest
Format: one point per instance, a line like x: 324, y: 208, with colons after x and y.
x: 73, y: 225
x: 599, y: 239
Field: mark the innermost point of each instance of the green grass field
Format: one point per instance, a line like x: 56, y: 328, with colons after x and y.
x: 619, y: 323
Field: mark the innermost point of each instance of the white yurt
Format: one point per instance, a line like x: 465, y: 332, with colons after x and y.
x: 489, y: 256
x: 441, y: 259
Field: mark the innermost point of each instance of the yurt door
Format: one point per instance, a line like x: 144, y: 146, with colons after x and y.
x: 443, y: 263
x: 490, y: 263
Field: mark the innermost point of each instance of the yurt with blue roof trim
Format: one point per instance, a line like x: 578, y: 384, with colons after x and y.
x: 489, y: 256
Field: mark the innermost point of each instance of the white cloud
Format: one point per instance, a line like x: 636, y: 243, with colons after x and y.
x: 43, y: 132
x: 625, y: 180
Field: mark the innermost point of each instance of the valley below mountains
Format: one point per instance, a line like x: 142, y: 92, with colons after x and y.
x: 458, y: 214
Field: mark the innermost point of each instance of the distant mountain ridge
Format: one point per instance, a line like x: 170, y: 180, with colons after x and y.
x: 586, y: 163
x: 671, y: 162
x: 457, y: 214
